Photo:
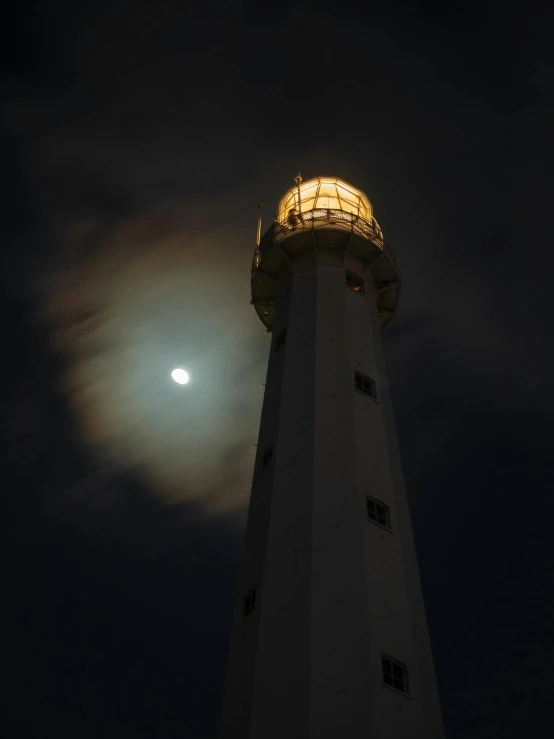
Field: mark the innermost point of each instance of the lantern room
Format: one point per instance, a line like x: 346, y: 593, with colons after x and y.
x: 324, y: 193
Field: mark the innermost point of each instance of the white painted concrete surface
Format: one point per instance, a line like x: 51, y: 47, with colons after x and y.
x: 334, y: 590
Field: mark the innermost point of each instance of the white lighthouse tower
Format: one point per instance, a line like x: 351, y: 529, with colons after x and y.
x: 329, y: 638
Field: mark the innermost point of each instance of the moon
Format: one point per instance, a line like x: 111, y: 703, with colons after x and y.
x: 180, y: 376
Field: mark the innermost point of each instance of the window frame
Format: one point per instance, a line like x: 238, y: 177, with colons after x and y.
x: 362, y: 391
x: 387, y: 525
x: 401, y: 666
x: 355, y: 276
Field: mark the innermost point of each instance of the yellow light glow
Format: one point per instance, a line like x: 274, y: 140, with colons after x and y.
x: 325, y: 193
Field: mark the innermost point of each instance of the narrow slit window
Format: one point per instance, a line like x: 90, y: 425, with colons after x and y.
x: 267, y: 458
x: 378, y: 512
x: 395, y: 674
x: 249, y: 602
x: 280, y: 339
x: 365, y: 385
x: 355, y: 282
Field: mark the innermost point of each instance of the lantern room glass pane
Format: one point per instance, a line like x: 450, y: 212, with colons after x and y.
x: 327, y: 188
x: 326, y: 202
x: 307, y: 195
x: 288, y: 202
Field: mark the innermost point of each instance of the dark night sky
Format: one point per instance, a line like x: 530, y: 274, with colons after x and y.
x: 138, y: 138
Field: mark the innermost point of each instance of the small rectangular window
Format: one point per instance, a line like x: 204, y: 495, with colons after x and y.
x: 355, y: 282
x: 395, y: 674
x: 249, y: 602
x: 267, y: 458
x: 378, y: 512
x: 365, y: 385
x: 280, y: 339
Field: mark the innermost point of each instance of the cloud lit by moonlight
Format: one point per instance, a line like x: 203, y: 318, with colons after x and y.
x: 125, y: 316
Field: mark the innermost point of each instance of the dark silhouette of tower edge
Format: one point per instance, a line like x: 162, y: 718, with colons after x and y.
x: 329, y: 637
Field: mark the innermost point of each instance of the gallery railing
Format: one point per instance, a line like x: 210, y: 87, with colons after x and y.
x: 322, y: 218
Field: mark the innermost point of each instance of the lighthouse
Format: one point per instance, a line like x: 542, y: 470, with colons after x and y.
x: 329, y: 637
